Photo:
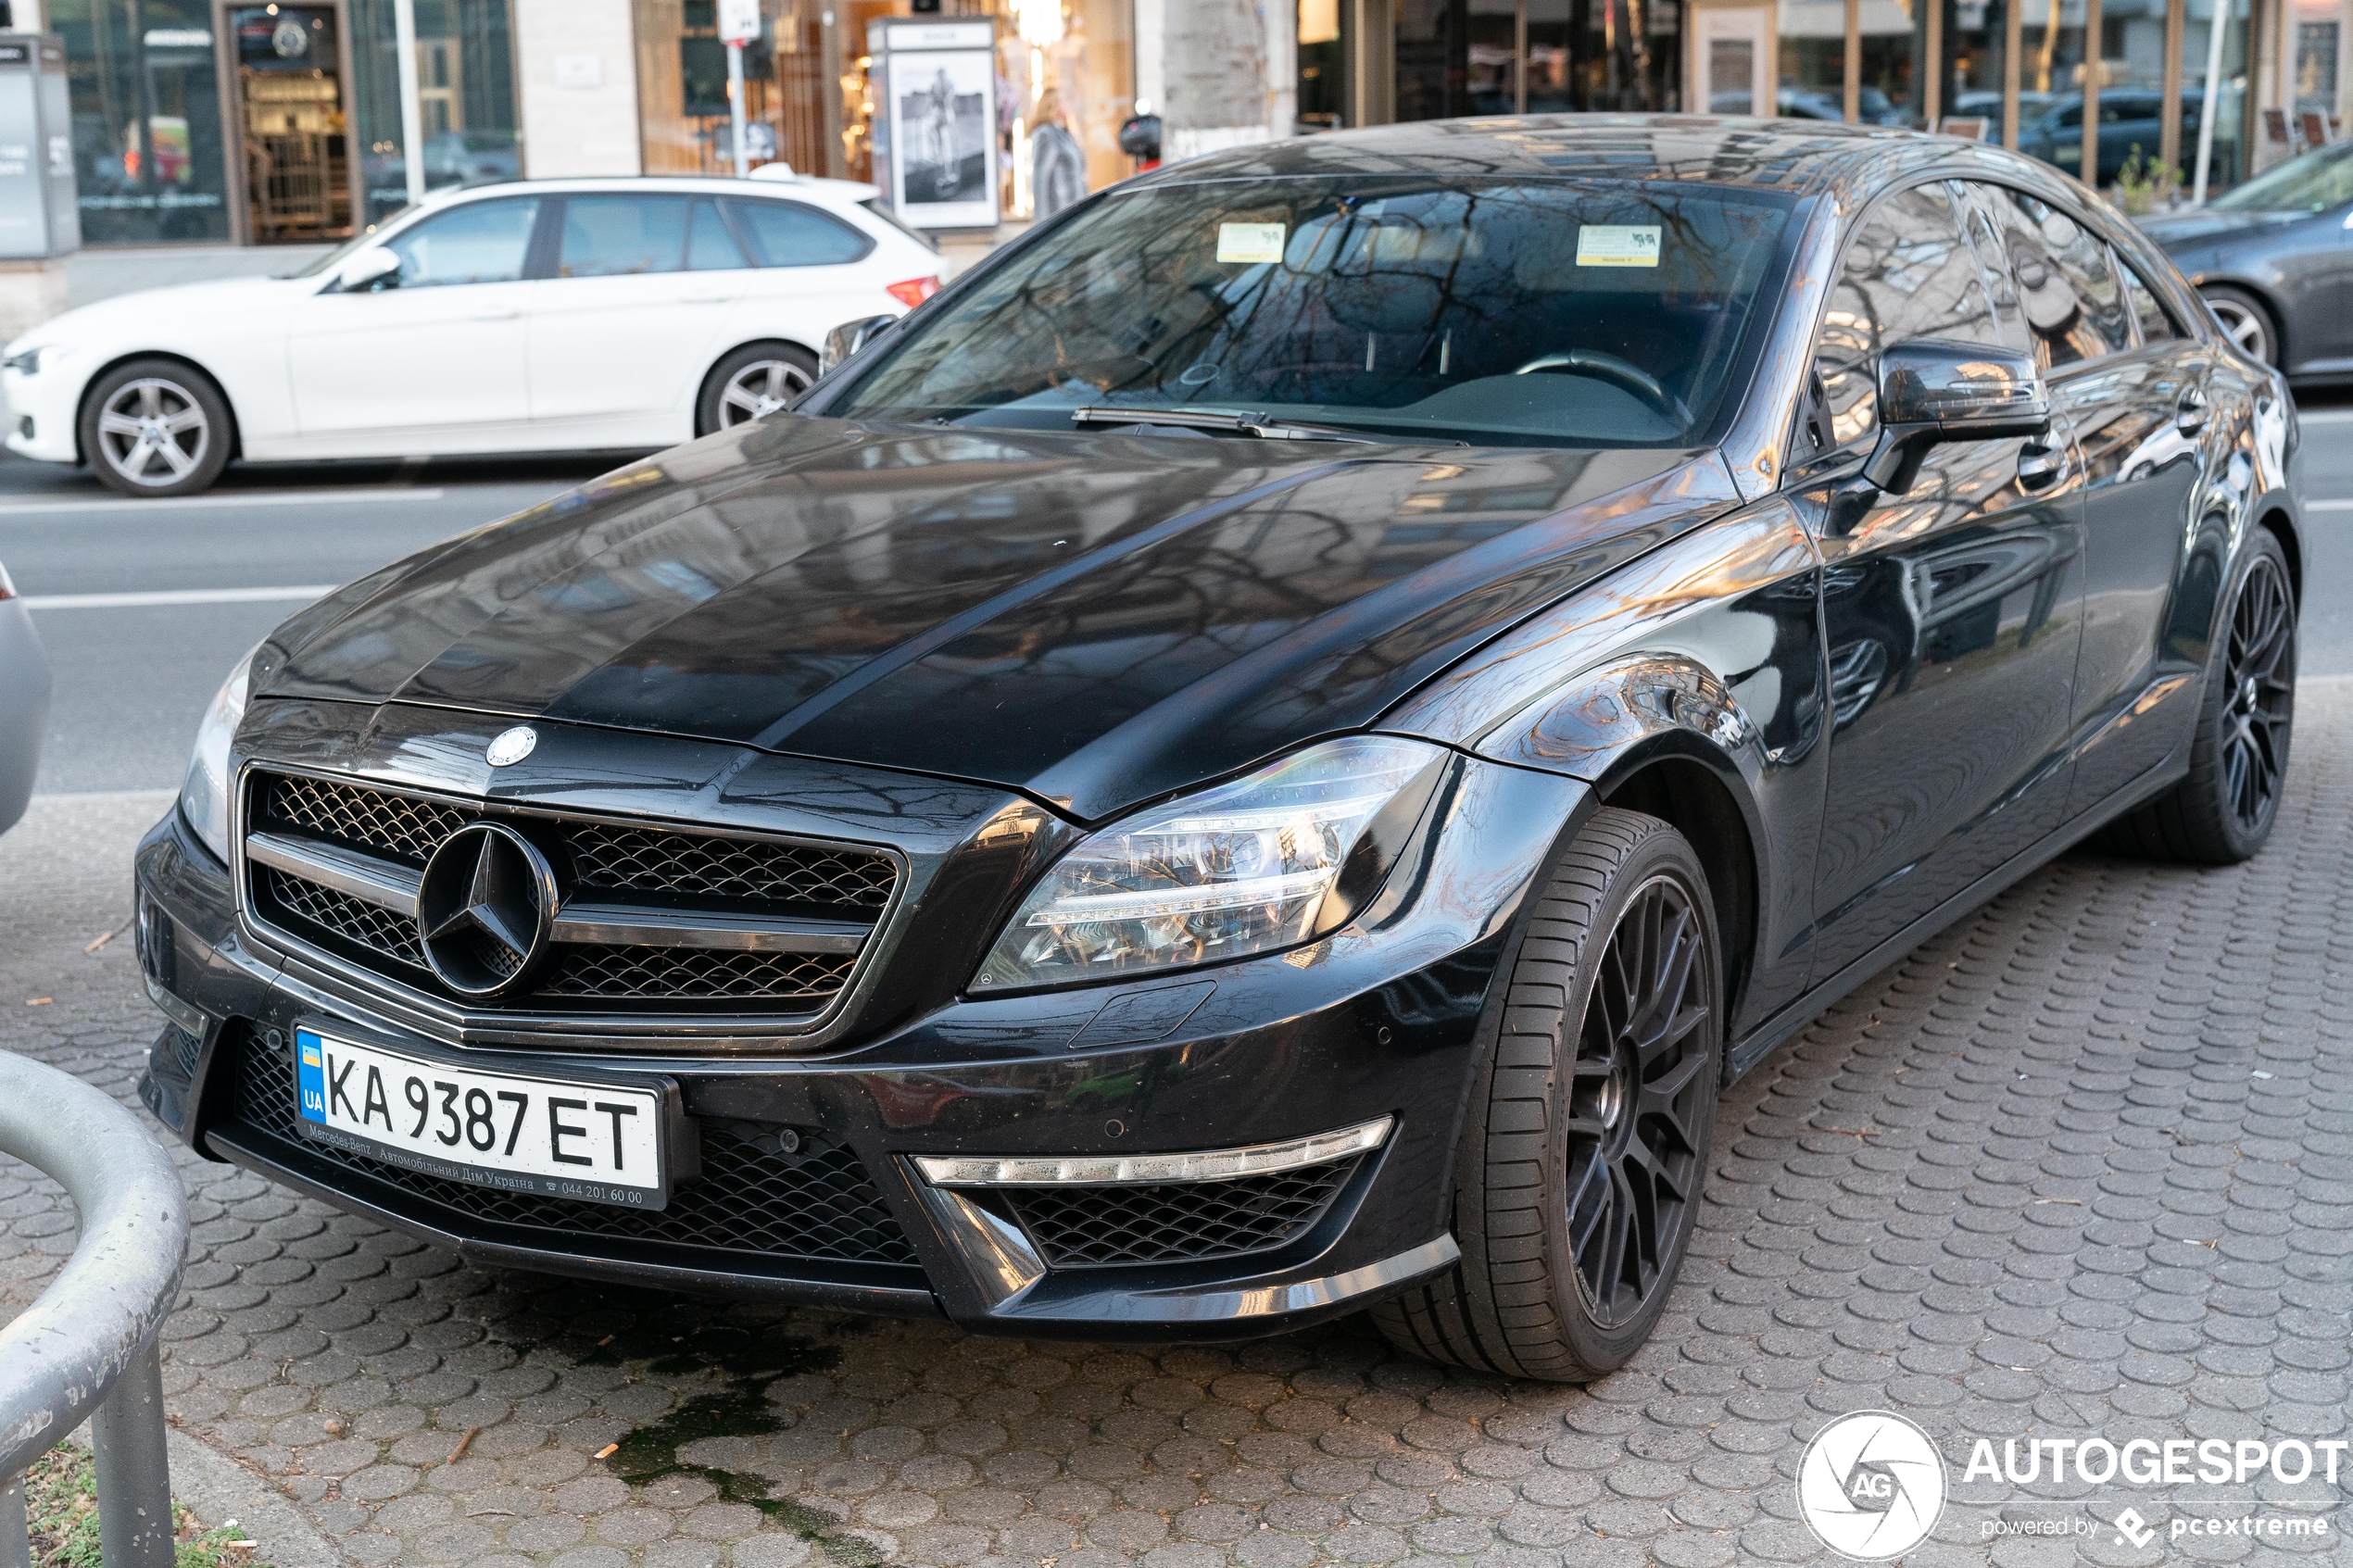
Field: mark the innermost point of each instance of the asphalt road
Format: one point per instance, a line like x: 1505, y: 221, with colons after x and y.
x: 133, y: 677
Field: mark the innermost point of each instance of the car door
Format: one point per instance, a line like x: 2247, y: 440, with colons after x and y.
x: 810, y: 277
x: 631, y: 317
x: 2133, y: 385
x: 430, y: 357
x: 1950, y: 612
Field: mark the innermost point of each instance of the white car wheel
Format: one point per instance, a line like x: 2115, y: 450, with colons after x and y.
x: 155, y: 428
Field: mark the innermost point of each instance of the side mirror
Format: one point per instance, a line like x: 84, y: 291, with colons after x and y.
x: 1931, y: 393
x: 366, y: 270
x: 849, y: 338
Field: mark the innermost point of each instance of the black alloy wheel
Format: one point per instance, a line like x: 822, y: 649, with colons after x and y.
x: 2259, y: 687
x: 2225, y: 810
x: 1577, y: 1182
x: 1643, y: 1077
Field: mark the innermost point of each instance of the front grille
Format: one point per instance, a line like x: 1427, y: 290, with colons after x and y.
x: 1085, y: 1227
x: 768, y: 1191
x: 611, y: 863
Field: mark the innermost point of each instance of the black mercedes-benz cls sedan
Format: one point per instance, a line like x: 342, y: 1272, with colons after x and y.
x: 1265, y: 754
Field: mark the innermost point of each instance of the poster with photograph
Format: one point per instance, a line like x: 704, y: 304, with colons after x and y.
x: 943, y: 165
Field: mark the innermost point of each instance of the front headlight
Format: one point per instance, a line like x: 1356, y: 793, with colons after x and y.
x: 27, y: 361
x: 203, y: 797
x: 1267, y: 861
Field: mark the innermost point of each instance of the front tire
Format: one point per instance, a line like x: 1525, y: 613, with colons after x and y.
x: 752, y: 383
x: 2224, y: 811
x: 155, y: 427
x: 1579, y: 1178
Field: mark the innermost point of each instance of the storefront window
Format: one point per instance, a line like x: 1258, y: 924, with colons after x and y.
x: 1813, y: 59
x: 682, y: 88
x: 1322, y: 68
x: 1975, y: 34
x: 2235, y: 117
x: 1547, y: 57
x: 1066, y: 70
x: 146, y: 90
x: 465, y: 92
x: 1890, y: 52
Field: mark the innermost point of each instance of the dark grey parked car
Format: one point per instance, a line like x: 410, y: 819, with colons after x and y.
x: 24, y: 703
x: 2275, y: 259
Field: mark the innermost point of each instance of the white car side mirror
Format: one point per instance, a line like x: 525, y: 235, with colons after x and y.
x: 366, y: 268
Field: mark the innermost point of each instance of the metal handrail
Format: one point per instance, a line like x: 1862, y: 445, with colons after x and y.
x: 86, y: 1349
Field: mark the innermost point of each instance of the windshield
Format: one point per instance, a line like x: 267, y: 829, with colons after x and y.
x: 370, y: 235
x: 1578, y: 315
x: 2320, y: 180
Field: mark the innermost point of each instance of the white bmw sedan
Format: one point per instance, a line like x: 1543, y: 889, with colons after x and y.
x: 541, y: 315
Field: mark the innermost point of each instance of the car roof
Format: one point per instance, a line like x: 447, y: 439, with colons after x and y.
x: 833, y: 193
x: 1801, y: 157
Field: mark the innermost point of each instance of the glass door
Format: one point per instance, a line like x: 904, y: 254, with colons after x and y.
x: 291, y: 110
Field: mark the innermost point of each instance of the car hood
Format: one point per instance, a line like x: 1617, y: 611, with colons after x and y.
x: 2206, y: 226
x: 216, y: 300
x: 1092, y: 619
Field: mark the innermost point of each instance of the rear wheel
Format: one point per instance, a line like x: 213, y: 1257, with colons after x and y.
x: 1579, y: 1179
x: 155, y: 427
x: 2223, y: 811
x: 2246, y: 320
x: 754, y: 381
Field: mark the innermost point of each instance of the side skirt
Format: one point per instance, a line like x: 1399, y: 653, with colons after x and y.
x: 1769, y: 1034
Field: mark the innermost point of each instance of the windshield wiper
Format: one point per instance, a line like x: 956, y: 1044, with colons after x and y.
x: 1260, y: 425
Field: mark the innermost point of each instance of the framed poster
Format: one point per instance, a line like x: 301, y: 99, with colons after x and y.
x: 943, y: 147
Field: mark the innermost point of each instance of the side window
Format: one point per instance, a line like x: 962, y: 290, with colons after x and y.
x: 2156, y: 326
x: 480, y: 243
x: 621, y: 236
x: 1908, y: 274
x: 709, y: 247
x: 787, y: 235
x: 2065, y: 282
x: 1984, y: 225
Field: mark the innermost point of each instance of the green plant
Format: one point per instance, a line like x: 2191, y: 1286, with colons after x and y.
x: 2144, y: 185
x: 62, y: 1506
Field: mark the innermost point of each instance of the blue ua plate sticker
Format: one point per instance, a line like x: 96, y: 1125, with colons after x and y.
x: 311, y: 1079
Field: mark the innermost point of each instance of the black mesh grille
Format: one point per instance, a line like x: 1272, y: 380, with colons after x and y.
x: 1182, y: 1222
x: 616, y: 862
x: 353, y: 919
x: 767, y: 1190
x: 695, y: 974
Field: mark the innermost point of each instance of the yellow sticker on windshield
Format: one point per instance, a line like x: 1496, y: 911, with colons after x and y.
x: 1617, y: 245
x: 1253, y: 242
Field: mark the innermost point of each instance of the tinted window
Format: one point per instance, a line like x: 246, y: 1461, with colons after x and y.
x: 480, y: 243
x: 2066, y: 285
x: 1545, y: 314
x: 2314, y: 182
x: 1978, y: 206
x: 617, y: 236
x: 1907, y: 275
x: 2148, y: 309
x: 709, y: 247
x: 787, y: 234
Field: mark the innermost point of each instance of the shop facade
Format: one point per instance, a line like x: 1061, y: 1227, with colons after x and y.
x: 225, y: 122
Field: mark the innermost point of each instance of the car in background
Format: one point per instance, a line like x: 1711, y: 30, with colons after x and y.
x: 2275, y: 259
x: 2129, y: 119
x: 539, y: 315
x: 1987, y: 106
x: 24, y: 703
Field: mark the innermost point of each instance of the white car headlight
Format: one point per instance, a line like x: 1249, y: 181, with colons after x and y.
x: 1266, y: 862
x: 27, y: 361
x: 203, y: 797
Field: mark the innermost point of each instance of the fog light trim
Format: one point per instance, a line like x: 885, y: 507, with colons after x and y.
x: 1115, y: 1170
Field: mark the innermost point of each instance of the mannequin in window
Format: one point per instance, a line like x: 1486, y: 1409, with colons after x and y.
x: 1057, y: 165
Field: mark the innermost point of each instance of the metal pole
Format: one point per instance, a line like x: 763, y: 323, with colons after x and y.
x: 735, y: 106
x: 135, y: 1468
x: 16, y: 1546
x: 412, y: 108
x: 2209, y: 111
x: 2092, y: 67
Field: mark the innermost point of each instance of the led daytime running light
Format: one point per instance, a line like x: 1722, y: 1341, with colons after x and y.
x: 1187, y: 902
x: 1116, y: 1170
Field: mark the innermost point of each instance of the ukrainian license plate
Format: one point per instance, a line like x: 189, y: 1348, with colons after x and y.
x: 557, y: 1137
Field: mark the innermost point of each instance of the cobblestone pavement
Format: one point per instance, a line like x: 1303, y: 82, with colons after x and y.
x: 2082, y: 1166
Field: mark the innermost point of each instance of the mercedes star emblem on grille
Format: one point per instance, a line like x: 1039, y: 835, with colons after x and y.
x: 485, y: 907
x: 510, y: 747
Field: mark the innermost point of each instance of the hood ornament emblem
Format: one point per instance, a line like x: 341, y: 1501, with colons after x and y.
x: 510, y: 747
x: 485, y: 908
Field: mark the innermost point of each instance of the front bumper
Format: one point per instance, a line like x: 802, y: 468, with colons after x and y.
x: 40, y: 414
x: 1383, y: 1018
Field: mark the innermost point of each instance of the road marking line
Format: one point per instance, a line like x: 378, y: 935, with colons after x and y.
x: 179, y: 596
x: 250, y: 499
x: 2328, y: 506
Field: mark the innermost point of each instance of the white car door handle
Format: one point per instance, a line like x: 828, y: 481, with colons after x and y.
x: 704, y: 299
x: 495, y: 313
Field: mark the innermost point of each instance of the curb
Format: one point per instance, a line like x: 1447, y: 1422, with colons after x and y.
x: 216, y: 1489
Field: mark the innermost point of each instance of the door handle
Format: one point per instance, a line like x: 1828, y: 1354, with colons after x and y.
x: 704, y: 298
x: 494, y: 313
x: 2189, y: 414
x: 2039, y: 468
